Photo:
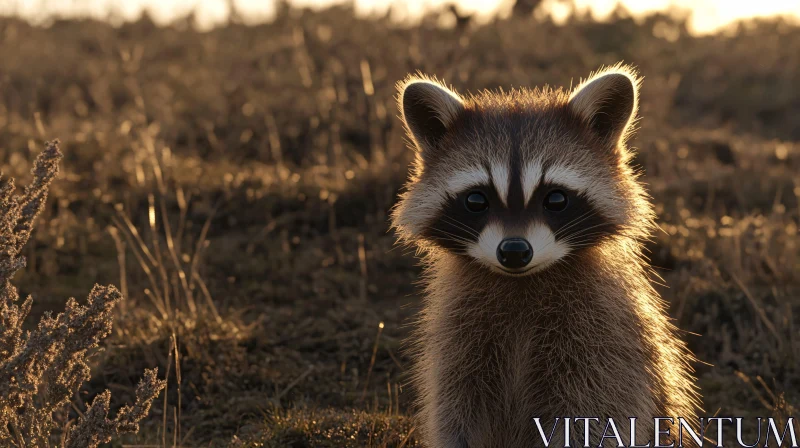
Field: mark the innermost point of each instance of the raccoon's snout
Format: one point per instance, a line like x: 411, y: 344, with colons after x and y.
x: 514, y: 253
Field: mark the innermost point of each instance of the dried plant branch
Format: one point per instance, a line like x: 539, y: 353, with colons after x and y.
x: 95, y: 428
x: 40, y: 370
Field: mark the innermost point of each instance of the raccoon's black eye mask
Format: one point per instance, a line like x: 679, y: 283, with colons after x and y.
x: 566, y: 212
x: 555, y: 201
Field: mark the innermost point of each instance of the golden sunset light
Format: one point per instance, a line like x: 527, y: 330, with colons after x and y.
x: 707, y: 15
x: 399, y: 223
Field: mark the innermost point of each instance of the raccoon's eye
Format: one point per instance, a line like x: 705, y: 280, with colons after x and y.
x: 556, y: 201
x: 476, y: 202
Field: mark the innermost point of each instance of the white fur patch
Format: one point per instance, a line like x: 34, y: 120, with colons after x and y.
x: 567, y: 177
x: 531, y: 175
x: 501, y: 177
x: 597, y: 189
x: 460, y: 180
x: 485, y: 250
x: 546, y: 250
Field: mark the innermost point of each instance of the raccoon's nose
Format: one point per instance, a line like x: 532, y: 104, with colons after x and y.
x: 514, y: 253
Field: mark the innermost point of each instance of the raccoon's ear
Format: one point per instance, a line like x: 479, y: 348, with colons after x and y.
x: 608, y: 102
x: 428, y: 109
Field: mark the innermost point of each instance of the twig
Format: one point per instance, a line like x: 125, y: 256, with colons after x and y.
x: 372, y: 361
x: 362, y: 260
x: 408, y: 437
x: 166, y: 389
x: 178, y: 383
x: 746, y: 380
x: 758, y: 309
x: 294, y: 383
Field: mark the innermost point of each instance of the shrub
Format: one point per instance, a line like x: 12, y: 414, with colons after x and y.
x: 41, y: 369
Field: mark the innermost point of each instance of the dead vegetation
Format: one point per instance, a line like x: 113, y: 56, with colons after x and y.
x: 236, y: 183
x: 40, y: 370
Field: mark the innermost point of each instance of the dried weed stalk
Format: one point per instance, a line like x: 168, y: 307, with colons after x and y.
x: 41, y: 369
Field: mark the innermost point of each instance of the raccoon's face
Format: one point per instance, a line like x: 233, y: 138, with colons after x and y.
x: 519, y: 181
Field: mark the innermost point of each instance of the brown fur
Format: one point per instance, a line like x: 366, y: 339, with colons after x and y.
x: 586, y: 337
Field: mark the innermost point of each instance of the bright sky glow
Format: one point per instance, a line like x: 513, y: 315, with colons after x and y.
x: 708, y: 15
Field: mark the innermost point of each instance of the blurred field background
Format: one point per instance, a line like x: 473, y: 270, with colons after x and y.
x: 234, y: 184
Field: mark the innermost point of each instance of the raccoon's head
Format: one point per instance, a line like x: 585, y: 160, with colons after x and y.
x: 520, y: 180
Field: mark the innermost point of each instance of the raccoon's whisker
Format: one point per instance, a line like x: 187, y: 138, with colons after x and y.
x: 583, y: 231
x: 567, y: 226
x: 468, y: 234
x: 571, y: 224
x: 585, y: 241
x: 451, y: 236
x: 580, y: 236
x: 460, y: 225
x: 451, y: 240
x: 585, y: 237
x: 581, y: 243
x: 574, y: 222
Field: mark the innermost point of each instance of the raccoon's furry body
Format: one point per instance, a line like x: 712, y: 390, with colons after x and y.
x: 538, y: 301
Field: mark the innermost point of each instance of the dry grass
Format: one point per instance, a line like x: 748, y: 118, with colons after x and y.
x: 236, y: 183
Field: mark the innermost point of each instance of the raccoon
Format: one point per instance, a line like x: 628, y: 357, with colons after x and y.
x: 529, y: 220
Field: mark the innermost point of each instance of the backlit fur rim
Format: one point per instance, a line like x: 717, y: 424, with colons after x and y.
x: 442, y: 107
x: 406, y: 231
x: 635, y: 78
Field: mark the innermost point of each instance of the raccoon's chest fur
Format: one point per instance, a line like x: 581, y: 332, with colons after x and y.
x: 500, y: 354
